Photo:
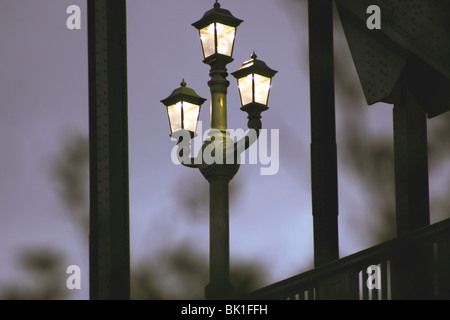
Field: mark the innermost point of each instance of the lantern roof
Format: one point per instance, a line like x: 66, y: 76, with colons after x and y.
x: 183, y: 93
x: 254, y: 66
x: 217, y: 14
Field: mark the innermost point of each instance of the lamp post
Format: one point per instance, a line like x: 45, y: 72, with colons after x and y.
x: 217, y: 30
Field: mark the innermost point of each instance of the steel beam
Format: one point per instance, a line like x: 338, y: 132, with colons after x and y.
x: 108, y: 138
x: 323, y: 132
x: 411, y: 163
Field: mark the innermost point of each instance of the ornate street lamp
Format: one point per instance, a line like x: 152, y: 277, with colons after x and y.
x: 217, y: 30
x: 254, y: 79
x: 183, y: 109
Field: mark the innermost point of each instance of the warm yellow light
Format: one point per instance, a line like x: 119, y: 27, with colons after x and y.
x: 175, y: 116
x: 225, y: 39
x: 207, y: 38
x: 183, y: 115
x: 254, y: 88
x: 246, y: 65
x: 191, y: 112
x: 246, y: 89
x: 262, y: 87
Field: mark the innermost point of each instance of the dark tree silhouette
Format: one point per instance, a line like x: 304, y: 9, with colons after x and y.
x: 70, y: 170
x: 43, y: 279
x: 183, y: 274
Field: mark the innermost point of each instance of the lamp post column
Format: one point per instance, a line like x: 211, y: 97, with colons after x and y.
x: 218, y: 86
x: 219, y: 175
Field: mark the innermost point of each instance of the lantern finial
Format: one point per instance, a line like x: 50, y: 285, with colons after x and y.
x: 253, y: 56
x: 217, y: 4
x: 183, y: 83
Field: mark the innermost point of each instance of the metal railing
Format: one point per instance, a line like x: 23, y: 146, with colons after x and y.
x: 413, y: 266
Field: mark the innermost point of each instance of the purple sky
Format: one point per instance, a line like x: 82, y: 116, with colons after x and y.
x: 44, y: 100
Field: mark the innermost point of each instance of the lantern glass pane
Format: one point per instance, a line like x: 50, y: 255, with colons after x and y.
x: 225, y: 39
x: 191, y: 112
x: 246, y: 89
x: 174, y: 112
x: 262, y: 87
x: 207, y: 39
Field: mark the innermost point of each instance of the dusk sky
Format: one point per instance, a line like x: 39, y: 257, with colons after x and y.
x: 44, y: 102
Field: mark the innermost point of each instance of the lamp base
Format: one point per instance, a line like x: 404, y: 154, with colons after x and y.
x: 218, y: 60
x: 254, y: 111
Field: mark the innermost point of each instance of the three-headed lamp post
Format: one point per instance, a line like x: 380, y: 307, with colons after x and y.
x: 217, y: 29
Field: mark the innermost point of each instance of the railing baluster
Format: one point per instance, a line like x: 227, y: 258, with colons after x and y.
x: 353, y: 283
x: 389, y: 279
x: 376, y: 292
x: 365, y: 289
x: 443, y: 266
x: 435, y: 267
x: 360, y: 285
x: 384, y: 280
